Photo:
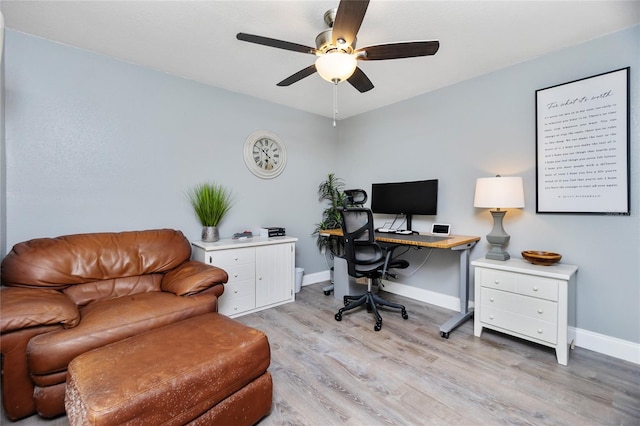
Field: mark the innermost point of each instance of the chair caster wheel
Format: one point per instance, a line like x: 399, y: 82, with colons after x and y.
x: 444, y: 334
x: 405, y: 315
x: 327, y: 292
x: 338, y: 317
x: 377, y: 327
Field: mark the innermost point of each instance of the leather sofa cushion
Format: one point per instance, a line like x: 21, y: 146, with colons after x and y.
x: 190, y: 278
x: 75, y: 259
x: 109, y: 321
x: 25, y: 307
x: 168, y: 376
x: 83, y: 294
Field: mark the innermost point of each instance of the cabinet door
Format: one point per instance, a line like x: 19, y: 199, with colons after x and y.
x: 274, y: 274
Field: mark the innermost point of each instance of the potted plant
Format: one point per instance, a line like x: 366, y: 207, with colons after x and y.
x: 211, y: 202
x: 331, y: 191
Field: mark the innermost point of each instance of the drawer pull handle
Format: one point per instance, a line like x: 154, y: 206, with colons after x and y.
x: 535, y: 289
x: 540, y: 311
x: 490, y: 317
x: 539, y: 331
x: 235, y: 291
x: 260, y: 278
x: 491, y: 299
x: 235, y: 258
x: 497, y: 282
x: 235, y: 275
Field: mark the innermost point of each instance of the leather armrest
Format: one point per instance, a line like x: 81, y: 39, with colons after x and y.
x: 192, y: 277
x: 27, y: 307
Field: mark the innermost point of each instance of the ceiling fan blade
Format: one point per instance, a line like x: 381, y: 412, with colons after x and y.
x: 272, y: 42
x: 348, y: 20
x: 360, y: 81
x: 298, y: 76
x: 409, y: 49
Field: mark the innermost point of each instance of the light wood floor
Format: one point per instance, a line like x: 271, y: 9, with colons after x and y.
x: 343, y: 373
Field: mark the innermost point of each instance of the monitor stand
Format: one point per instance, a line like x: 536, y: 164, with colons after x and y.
x: 408, y: 220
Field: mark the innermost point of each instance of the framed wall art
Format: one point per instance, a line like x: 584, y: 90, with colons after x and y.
x: 582, y: 146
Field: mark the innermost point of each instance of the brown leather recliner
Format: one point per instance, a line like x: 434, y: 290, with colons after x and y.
x: 61, y: 297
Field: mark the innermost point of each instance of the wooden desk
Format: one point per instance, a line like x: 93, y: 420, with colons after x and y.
x: 461, y: 243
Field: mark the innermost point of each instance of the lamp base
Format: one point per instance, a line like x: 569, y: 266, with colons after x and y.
x: 498, y: 238
x: 496, y: 253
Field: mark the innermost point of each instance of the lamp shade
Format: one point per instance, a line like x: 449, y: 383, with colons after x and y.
x: 499, y: 192
x: 336, y: 65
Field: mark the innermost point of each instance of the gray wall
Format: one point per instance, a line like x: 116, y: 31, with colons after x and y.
x: 95, y: 144
x: 3, y: 175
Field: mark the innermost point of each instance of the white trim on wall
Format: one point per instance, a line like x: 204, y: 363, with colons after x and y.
x: 607, y: 345
x: 316, y: 277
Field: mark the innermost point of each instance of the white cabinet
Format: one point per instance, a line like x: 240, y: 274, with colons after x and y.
x: 261, y: 272
x: 529, y: 301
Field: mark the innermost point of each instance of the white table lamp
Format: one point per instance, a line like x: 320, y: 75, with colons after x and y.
x: 499, y: 193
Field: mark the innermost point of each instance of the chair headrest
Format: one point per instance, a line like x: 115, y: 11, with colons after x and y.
x: 354, y: 197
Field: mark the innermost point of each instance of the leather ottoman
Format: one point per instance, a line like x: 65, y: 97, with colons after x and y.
x: 208, y: 369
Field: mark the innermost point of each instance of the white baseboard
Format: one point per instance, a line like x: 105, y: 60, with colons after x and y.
x: 422, y: 295
x: 611, y: 346
x: 316, y: 277
x: 607, y: 345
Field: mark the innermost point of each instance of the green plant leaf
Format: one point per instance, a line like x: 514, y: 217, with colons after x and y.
x: 211, y: 202
x: 330, y: 190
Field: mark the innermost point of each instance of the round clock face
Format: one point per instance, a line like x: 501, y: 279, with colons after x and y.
x: 264, y: 154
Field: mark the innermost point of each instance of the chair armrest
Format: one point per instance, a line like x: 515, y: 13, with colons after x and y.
x: 28, y: 307
x: 193, y: 277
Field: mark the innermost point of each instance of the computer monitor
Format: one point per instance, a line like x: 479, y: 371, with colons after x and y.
x: 405, y: 198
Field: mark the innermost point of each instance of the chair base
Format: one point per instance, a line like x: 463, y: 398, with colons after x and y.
x: 372, y: 301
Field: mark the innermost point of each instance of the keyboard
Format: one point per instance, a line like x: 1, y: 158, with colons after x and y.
x: 385, y: 230
x: 394, y: 231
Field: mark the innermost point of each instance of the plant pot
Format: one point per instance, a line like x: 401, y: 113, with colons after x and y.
x: 210, y: 234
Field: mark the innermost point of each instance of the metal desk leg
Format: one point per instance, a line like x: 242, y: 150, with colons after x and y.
x: 465, y: 313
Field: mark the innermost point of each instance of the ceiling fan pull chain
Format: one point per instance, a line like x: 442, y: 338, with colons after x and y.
x: 335, y: 101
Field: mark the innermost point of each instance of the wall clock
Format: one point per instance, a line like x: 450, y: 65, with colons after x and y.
x: 265, y: 154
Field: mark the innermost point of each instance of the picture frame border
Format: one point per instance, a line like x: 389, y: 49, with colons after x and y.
x: 600, y: 84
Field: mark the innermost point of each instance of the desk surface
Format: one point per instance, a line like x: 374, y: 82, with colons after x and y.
x: 415, y: 239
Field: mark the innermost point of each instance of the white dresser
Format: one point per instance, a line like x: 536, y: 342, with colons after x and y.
x: 261, y: 272
x: 529, y: 301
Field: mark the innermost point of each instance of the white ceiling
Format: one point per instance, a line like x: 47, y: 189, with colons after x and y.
x: 196, y: 40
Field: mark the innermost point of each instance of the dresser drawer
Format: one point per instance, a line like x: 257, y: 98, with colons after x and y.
x: 236, y: 306
x: 531, y: 307
x: 237, y: 297
x: 240, y: 273
x: 544, y: 288
x: 228, y: 258
x: 512, y: 322
x: 499, y: 279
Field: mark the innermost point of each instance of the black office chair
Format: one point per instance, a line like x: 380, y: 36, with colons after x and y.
x: 365, y: 257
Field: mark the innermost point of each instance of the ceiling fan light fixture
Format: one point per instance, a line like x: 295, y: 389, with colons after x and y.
x: 336, y: 66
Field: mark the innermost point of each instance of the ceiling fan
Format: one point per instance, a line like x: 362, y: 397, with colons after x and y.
x: 336, y: 51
